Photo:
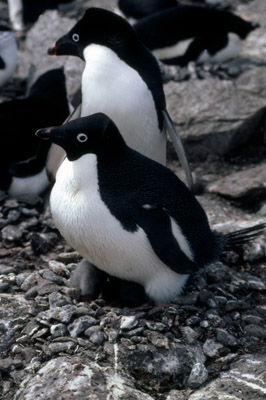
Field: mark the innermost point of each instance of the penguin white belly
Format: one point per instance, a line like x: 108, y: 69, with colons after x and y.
x: 111, y: 86
x: 88, y: 226
x: 35, y: 184
x: 225, y: 54
x: 8, y: 52
x: 178, y: 49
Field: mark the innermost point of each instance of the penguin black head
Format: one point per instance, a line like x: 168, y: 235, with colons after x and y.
x: 97, y: 26
x: 95, y: 134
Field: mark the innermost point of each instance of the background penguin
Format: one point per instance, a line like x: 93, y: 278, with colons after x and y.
x: 122, y: 79
x: 129, y: 215
x: 182, y: 34
x: 22, y: 155
x: 8, y: 54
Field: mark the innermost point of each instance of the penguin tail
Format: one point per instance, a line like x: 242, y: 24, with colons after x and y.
x: 240, y: 237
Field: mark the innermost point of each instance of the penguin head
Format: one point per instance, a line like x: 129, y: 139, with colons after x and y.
x: 96, y: 134
x: 97, y: 26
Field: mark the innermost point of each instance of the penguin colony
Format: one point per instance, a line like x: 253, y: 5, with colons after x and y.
x: 113, y: 199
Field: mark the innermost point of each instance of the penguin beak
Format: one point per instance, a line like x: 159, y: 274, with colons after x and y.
x: 44, y: 134
x: 52, y: 50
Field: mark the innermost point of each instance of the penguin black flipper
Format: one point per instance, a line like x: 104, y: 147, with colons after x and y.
x: 2, y: 63
x: 179, y: 148
x: 156, y: 223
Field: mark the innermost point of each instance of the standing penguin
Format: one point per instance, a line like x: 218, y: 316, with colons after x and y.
x: 127, y: 214
x: 122, y: 79
x: 8, y: 54
x: 182, y: 34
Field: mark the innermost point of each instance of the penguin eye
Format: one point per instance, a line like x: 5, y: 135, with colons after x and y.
x: 82, y: 137
x: 75, y: 37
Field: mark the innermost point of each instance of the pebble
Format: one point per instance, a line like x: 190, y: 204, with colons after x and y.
x: 31, y: 293
x: 211, y: 348
x: 57, y: 299
x: 11, y: 235
x: 252, y: 319
x: 58, y: 330
x: 61, y: 314
x: 198, y: 375
x: 226, y: 338
x: 97, y: 338
x: 189, y: 299
x: 128, y: 322
x: 189, y: 334
x: 80, y: 324
x: 61, y: 347
x: 255, y: 331
x: 59, y: 268
x: 208, y: 298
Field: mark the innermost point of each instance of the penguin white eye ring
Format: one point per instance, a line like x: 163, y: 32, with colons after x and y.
x: 82, y: 137
x: 75, y: 37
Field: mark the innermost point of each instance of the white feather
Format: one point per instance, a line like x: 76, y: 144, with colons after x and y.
x: 87, y: 224
x: 111, y: 86
x: 175, y: 50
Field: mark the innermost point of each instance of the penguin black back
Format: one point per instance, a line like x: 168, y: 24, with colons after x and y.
x: 141, y: 8
x: 46, y: 104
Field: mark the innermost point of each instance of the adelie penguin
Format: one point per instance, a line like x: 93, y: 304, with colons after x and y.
x: 182, y: 34
x: 8, y: 54
x: 129, y: 215
x: 138, y: 8
x: 22, y: 155
x: 121, y: 79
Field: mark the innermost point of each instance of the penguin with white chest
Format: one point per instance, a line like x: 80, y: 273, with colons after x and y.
x: 182, y: 34
x: 127, y: 214
x: 122, y: 79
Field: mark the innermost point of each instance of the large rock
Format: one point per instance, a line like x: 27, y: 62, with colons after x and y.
x: 63, y: 379
x: 244, y: 381
x: 216, y: 116
x: 248, y: 185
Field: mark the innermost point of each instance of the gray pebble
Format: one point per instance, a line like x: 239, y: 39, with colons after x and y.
x: 80, y: 325
x: 97, y: 338
x: 211, y: 348
x: 61, y: 347
x: 226, y: 338
x: 128, y: 322
x: 31, y: 293
x: 58, y: 330
x: 57, y: 299
x: 255, y: 331
x: 198, y: 375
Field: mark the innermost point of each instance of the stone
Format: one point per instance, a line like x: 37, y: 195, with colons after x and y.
x: 198, y: 375
x: 59, y: 347
x: 97, y: 338
x: 246, y: 185
x: 57, y: 299
x: 128, y: 322
x: 211, y: 348
x: 243, y: 381
x: 62, y: 314
x: 226, y: 338
x: 216, y: 116
x: 255, y: 331
x: 79, y: 325
x: 11, y: 234
x: 58, y: 330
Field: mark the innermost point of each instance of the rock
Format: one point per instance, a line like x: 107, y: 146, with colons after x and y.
x: 244, y: 185
x: 128, y: 322
x: 243, y: 381
x: 79, y: 325
x: 198, y: 375
x: 58, y: 300
x: 63, y: 378
x: 62, y: 314
x: 97, y: 338
x: 59, y: 347
x: 226, y: 338
x: 216, y: 116
x: 255, y: 331
x: 211, y: 348
x: 8, y: 364
x: 11, y: 234
x: 58, y: 330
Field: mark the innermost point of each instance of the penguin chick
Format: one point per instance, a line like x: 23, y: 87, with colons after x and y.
x: 122, y: 79
x: 182, y: 34
x: 127, y: 214
x: 22, y: 155
x: 8, y: 54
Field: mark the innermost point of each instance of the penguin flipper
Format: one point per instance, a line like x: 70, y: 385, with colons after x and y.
x: 56, y: 154
x: 156, y: 223
x: 2, y: 63
x: 179, y: 148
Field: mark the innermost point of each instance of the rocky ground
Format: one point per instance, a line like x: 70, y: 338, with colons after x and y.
x: 210, y: 342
